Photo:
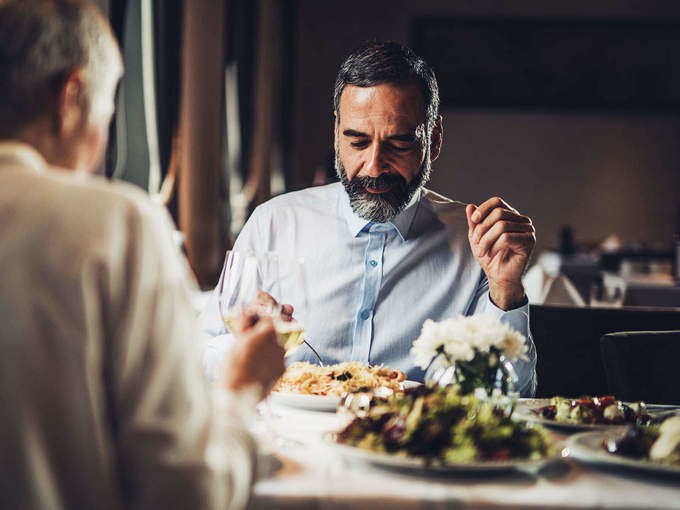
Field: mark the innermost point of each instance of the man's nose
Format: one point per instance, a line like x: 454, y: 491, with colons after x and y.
x: 374, y: 164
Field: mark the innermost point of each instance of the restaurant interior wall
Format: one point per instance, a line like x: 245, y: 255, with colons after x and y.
x: 602, y: 172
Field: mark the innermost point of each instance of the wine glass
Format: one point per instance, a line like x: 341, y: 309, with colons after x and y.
x: 268, y: 284
x: 265, y: 284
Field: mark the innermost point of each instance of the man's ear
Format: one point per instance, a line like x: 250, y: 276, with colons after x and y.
x: 436, y: 139
x: 71, y: 107
x: 336, y: 127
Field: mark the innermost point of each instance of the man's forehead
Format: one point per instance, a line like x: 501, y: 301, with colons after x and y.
x: 398, y: 104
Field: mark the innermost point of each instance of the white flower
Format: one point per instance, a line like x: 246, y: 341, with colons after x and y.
x: 462, y: 337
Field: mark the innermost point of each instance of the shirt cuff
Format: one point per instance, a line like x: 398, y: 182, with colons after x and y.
x: 521, y: 312
x: 518, y: 319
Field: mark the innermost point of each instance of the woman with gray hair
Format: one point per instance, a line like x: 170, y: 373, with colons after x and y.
x: 102, y: 400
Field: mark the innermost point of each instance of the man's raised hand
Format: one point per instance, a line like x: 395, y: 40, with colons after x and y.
x: 501, y: 240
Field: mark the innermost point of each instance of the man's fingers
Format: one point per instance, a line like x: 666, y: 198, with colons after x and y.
x: 484, y: 209
x: 492, y: 235
x: 513, y: 241
x: 494, y: 217
x: 264, y: 298
x: 469, y: 211
x: 489, y: 237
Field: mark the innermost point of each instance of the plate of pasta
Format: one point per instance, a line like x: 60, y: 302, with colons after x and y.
x: 317, y: 388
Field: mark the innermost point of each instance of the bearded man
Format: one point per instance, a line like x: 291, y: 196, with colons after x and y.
x: 382, y: 253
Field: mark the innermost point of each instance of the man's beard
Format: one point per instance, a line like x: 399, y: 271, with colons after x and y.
x: 381, y: 207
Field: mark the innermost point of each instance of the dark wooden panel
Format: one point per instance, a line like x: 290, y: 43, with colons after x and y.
x: 555, y: 64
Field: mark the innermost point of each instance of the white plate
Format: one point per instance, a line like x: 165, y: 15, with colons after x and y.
x: 528, y: 410
x: 587, y: 447
x: 315, y: 402
x: 309, y: 402
x: 415, y: 464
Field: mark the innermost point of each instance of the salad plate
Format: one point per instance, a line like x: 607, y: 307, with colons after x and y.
x: 435, y: 429
x: 393, y: 461
x: 530, y: 410
x: 589, y: 447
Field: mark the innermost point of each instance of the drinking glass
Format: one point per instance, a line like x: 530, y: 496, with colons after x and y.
x: 267, y: 284
x: 272, y: 285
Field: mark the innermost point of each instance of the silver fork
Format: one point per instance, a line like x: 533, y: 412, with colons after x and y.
x: 315, y: 353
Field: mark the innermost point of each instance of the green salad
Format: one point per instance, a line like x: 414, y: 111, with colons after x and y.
x: 439, y: 425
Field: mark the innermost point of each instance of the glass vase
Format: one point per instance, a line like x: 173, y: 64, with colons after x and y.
x: 489, y: 376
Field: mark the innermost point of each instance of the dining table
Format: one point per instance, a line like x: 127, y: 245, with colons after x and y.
x: 299, y: 469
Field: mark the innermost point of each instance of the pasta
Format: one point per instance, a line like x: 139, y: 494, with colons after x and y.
x: 338, y: 379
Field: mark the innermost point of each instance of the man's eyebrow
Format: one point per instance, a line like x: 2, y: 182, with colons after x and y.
x: 405, y: 137
x: 401, y: 137
x: 356, y: 134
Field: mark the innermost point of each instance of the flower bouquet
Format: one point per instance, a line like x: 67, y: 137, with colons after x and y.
x: 474, y: 353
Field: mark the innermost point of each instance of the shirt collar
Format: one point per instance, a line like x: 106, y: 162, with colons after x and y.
x: 22, y: 153
x: 401, y: 222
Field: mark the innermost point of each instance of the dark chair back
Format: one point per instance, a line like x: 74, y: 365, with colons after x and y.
x: 643, y: 365
x: 568, y: 344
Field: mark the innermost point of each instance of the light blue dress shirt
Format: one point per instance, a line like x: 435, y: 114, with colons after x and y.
x: 372, y: 285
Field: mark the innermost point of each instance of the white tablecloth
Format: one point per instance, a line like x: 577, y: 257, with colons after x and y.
x: 306, y: 474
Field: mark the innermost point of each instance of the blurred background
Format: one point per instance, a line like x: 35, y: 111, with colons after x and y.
x: 569, y: 109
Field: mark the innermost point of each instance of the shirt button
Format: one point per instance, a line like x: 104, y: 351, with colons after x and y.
x: 365, y: 314
x: 373, y: 263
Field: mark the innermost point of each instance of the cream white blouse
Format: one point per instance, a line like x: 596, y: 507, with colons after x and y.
x: 102, y: 400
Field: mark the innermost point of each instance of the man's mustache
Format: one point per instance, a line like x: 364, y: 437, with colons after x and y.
x: 394, y: 181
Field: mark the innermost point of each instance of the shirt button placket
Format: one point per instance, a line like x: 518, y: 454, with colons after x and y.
x: 372, y: 281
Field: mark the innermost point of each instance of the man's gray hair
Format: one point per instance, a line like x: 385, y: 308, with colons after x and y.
x: 41, y: 43
x: 374, y: 63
